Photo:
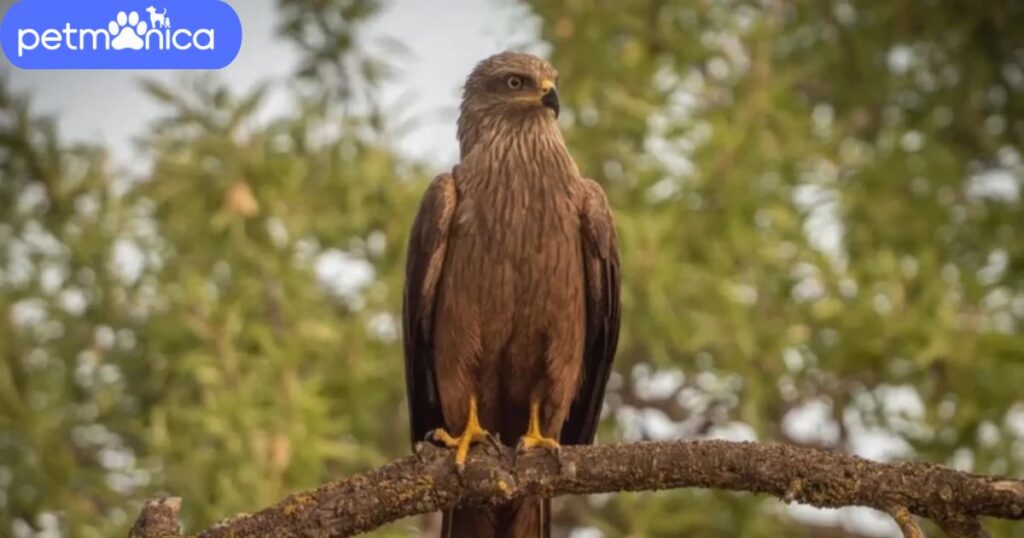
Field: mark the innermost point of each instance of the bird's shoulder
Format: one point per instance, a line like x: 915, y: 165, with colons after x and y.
x: 596, y: 214
x: 436, y: 209
x: 442, y: 188
x: 442, y: 192
x: 592, y: 198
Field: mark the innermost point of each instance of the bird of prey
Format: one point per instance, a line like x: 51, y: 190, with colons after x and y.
x: 511, y: 305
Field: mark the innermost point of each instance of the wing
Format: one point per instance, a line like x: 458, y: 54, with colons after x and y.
x: 601, y: 273
x: 428, y: 243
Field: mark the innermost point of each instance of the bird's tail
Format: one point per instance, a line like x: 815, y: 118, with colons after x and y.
x: 525, y: 518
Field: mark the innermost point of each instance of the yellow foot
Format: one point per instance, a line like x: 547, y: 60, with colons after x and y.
x: 534, y: 438
x: 528, y: 441
x: 473, y: 433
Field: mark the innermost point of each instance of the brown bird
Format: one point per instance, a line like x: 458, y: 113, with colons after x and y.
x: 511, y: 314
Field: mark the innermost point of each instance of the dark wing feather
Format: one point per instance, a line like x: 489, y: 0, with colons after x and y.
x: 428, y: 243
x: 601, y: 273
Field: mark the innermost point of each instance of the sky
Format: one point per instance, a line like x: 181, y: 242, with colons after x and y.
x: 444, y: 40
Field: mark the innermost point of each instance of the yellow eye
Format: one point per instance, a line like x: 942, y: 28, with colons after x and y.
x: 515, y: 82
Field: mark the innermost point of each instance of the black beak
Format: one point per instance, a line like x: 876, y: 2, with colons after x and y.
x: 550, y: 100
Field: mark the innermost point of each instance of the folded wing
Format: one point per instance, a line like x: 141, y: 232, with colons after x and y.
x: 601, y: 271
x: 428, y: 243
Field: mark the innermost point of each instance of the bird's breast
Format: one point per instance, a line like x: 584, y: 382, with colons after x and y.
x: 518, y: 233
x: 518, y: 217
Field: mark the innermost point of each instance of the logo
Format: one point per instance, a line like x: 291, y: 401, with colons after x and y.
x: 121, y: 34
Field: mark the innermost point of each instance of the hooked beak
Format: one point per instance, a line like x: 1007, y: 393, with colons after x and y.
x: 549, y: 96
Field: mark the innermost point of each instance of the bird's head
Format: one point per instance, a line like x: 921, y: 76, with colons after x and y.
x: 507, y: 88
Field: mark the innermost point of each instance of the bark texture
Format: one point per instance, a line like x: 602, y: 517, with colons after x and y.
x: 427, y: 482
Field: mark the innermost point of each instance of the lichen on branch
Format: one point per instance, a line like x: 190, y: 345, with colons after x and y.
x: 428, y: 481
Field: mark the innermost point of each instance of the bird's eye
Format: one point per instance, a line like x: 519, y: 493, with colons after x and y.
x: 515, y: 82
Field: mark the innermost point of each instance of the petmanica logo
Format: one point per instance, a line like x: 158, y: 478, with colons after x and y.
x: 121, y: 34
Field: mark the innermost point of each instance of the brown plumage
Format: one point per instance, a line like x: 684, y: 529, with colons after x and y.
x: 512, y: 287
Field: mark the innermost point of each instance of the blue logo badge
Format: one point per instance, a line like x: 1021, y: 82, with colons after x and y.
x: 121, y: 34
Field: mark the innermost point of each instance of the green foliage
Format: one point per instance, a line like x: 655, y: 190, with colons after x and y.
x: 808, y: 198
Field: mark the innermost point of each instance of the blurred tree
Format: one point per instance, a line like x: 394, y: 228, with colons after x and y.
x: 821, y: 222
x: 64, y: 410
x: 221, y: 326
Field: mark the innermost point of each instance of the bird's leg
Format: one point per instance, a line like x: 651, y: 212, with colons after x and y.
x: 472, y: 433
x: 534, y: 438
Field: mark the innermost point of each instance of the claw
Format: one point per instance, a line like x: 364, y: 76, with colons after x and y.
x: 535, y: 438
x: 473, y: 433
x: 441, y: 436
x: 528, y: 442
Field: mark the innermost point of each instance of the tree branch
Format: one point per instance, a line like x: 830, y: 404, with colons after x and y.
x: 427, y: 482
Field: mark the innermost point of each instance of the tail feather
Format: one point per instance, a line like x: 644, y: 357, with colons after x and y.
x: 525, y: 518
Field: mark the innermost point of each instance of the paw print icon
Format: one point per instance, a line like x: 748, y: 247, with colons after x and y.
x: 127, y: 30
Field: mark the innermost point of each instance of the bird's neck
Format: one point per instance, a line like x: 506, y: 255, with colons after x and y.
x: 485, y: 130
x: 518, y: 166
x: 527, y: 142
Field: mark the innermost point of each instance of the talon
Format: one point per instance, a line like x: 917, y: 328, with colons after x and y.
x: 441, y: 436
x: 534, y: 438
x: 528, y: 442
x: 471, y: 434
